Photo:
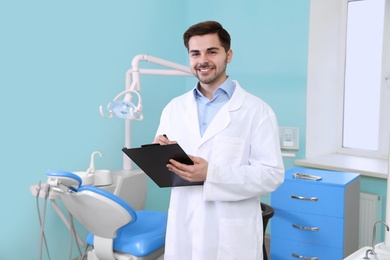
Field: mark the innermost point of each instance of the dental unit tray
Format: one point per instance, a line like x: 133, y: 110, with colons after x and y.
x: 304, y: 176
x: 153, y: 158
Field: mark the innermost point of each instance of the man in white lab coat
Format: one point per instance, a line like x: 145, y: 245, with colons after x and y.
x: 232, y: 138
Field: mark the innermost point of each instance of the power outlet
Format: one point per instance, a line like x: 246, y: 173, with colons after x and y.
x: 289, y: 138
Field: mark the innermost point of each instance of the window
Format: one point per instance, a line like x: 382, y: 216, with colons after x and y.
x: 348, y: 119
x: 362, y: 76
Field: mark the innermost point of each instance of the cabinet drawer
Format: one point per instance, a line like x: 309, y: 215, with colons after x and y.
x: 308, y: 228
x: 284, y: 249
x: 302, y: 196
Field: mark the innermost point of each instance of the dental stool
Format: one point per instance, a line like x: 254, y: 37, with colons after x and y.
x: 116, y: 230
x: 268, y: 213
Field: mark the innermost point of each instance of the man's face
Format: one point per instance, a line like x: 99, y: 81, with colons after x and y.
x: 208, y: 59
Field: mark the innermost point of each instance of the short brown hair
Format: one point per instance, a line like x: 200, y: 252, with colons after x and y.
x: 208, y: 27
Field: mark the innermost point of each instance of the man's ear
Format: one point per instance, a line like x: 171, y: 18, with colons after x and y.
x: 229, y: 56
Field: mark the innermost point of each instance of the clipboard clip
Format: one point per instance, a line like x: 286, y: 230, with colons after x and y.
x: 299, y: 175
x: 148, y: 145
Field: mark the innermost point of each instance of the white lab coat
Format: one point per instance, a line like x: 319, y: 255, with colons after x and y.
x: 222, y: 219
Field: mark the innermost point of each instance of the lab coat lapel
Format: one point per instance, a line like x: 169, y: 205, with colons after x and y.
x: 191, y: 119
x: 222, y: 118
x: 220, y: 122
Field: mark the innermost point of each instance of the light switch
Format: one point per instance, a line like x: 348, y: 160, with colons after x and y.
x: 289, y: 137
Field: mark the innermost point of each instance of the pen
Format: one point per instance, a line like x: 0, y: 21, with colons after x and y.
x: 165, y: 136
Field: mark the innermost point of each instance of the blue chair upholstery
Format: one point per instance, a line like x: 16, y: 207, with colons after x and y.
x: 142, y: 237
x: 113, y: 223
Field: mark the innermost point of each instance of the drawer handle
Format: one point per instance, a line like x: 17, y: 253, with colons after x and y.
x: 314, y: 229
x: 304, y: 198
x: 304, y: 257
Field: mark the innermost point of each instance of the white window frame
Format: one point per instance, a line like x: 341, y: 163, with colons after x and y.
x: 325, y: 92
x: 384, y: 111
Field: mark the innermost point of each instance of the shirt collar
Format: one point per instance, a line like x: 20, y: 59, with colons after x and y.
x: 227, y: 86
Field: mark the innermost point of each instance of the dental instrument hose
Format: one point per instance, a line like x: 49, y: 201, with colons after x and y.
x: 82, y: 255
x: 73, y: 233
x: 71, y: 236
x: 42, y: 219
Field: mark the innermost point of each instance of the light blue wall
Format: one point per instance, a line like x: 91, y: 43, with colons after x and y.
x: 61, y: 60
x: 269, y: 43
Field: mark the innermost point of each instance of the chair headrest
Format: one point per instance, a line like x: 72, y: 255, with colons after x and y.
x: 68, y: 179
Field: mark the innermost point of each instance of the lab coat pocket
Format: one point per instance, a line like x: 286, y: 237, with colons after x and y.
x: 227, y: 150
x: 238, y: 239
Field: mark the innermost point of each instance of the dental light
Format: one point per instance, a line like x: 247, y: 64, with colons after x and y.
x: 125, y: 108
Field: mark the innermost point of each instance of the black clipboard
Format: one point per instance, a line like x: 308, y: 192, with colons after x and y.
x: 153, y: 158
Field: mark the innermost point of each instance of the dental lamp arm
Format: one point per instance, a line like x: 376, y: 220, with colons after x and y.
x: 165, y: 63
x: 133, y: 85
x: 176, y: 70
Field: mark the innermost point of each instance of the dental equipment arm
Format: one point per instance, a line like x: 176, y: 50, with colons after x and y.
x: 127, y: 110
x: 175, y: 70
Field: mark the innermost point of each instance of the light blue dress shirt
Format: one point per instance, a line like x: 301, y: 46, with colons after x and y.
x: 207, y: 109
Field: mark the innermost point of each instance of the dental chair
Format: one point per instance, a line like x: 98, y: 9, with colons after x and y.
x: 116, y: 230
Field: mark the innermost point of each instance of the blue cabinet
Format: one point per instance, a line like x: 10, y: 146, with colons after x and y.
x: 316, y: 220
